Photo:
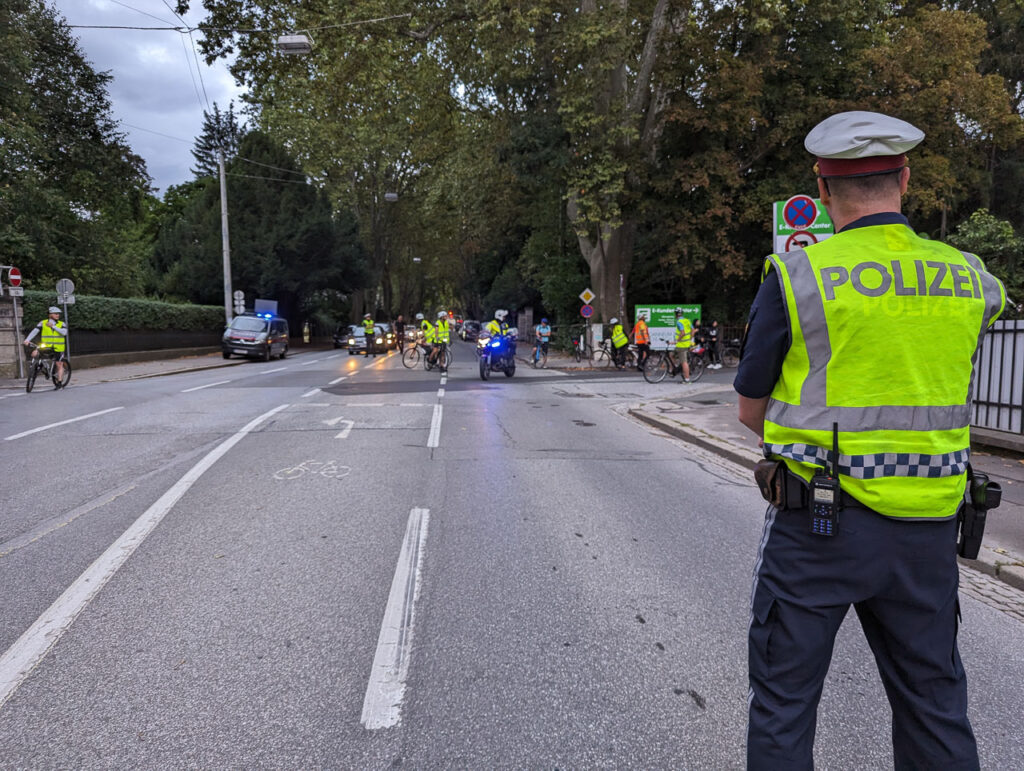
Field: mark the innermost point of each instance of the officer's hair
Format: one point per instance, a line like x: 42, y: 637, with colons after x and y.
x: 865, y: 187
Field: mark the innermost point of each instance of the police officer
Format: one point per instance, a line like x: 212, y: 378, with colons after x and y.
x: 895, y: 438
x: 371, y: 333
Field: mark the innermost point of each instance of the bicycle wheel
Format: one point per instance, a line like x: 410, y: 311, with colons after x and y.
x: 60, y: 382
x: 602, y: 358
x: 696, y: 367
x: 411, y: 357
x: 577, y: 351
x: 656, y: 368
x: 630, y: 359
x: 30, y: 381
x: 447, y: 357
x: 731, y: 356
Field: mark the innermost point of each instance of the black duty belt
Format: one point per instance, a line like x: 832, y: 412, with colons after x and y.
x: 798, y: 495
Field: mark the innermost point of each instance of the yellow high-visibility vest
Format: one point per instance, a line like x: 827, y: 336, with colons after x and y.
x: 885, y: 326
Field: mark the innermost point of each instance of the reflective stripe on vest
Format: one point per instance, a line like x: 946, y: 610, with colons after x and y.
x: 643, y: 337
x: 619, y: 338
x: 429, y: 335
x: 50, y: 338
x: 684, y: 333
x: 441, y: 334
x: 886, y: 328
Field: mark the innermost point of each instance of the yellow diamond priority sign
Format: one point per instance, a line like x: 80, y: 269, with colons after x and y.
x: 586, y: 295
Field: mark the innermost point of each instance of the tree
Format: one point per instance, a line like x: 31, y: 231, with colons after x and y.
x: 995, y: 242
x: 286, y: 242
x: 220, y: 133
x: 71, y: 190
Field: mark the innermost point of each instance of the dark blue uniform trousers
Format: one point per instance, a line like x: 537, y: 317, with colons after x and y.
x: 901, y: 577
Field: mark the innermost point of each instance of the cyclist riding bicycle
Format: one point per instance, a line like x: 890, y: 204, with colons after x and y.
x: 442, y: 337
x: 53, y: 333
x: 543, y: 338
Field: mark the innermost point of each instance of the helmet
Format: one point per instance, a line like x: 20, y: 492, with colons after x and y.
x: 442, y: 315
x: 500, y: 314
x: 613, y: 320
x: 543, y: 321
x: 54, y: 309
x: 419, y: 317
x: 679, y: 311
x: 642, y: 316
x: 367, y: 316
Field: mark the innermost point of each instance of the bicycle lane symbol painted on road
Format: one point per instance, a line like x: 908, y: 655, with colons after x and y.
x: 328, y: 469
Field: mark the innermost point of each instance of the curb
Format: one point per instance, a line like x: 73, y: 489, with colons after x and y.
x: 989, y: 562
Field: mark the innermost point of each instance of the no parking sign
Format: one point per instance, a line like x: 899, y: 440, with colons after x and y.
x: 800, y: 221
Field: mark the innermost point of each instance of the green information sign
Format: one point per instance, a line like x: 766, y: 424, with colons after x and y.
x: 661, y: 321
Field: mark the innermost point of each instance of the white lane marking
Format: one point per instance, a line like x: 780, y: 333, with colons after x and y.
x: 366, y: 404
x: 310, y: 393
x: 318, y: 404
x: 268, y: 371
x: 444, y: 379
x: 18, y: 661
x: 413, y: 404
x: 61, y: 423
x: 382, y: 705
x: 8, y: 396
x: 343, y: 434
x: 332, y: 356
x: 208, y: 385
x: 440, y: 393
x: 307, y: 363
x: 335, y: 382
x: 435, y: 427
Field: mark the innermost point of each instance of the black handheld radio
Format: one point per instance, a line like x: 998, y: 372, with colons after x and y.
x: 826, y: 497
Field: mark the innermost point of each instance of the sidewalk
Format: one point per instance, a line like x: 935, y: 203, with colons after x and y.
x: 709, y: 420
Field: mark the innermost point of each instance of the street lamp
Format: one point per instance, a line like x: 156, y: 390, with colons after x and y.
x: 295, y: 44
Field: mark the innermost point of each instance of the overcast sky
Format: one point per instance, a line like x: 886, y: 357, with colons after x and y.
x: 155, y: 87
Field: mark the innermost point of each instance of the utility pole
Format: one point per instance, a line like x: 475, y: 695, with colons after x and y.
x: 224, y: 236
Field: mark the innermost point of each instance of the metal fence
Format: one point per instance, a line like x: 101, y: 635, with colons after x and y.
x: 999, y: 392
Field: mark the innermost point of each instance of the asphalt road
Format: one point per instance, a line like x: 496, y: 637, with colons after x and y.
x: 336, y: 562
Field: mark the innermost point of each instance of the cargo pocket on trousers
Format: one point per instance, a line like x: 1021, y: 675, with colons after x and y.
x: 763, y: 616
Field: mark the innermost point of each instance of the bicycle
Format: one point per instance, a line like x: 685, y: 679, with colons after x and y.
x: 540, y: 354
x: 445, y: 355
x: 581, y: 349
x: 412, y: 355
x: 661, y: 364
x: 46, y: 362
x: 605, y: 357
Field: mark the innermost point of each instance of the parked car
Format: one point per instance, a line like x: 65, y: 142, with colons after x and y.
x: 470, y: 330
x: 256, y: 335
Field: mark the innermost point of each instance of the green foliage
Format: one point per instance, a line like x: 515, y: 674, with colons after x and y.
x: 996, y: 243
x: 71, y: 190
x: 102, y: 314
x: 220, y: 133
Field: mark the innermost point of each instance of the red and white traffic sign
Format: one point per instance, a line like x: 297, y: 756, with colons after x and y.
x: 800, y: 239
x: 587, y: 311
x: 799, y: 212
x: 14, y: 277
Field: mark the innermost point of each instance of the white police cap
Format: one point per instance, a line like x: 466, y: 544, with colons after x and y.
x: 860, y: 143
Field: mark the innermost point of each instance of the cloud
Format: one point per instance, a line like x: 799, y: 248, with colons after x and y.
x: 155, y: 84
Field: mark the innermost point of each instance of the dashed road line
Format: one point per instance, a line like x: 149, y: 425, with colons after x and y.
x: 314, y: 392
x: 268, y: 371
x: 61, y: 423
x: 338, y: 380
x: 307, y: 363
x: 208, y: 385
x: 435, y: 426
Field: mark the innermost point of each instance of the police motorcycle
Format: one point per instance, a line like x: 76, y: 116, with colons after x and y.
x: 497, y: 353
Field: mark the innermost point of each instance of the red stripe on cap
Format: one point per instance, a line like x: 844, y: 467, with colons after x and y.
x: 854, y: 167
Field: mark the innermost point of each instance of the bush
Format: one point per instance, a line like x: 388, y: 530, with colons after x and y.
x: 103, y: 314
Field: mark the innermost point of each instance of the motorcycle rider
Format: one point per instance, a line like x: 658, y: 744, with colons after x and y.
x: 497, y: 325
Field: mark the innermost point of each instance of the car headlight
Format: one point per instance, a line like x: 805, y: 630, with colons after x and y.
x: 351, y: 341
x: 378, y: 341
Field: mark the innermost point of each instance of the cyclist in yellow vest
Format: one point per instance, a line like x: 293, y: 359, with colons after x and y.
x: 684, y: 342
x: 807, y: 383
x: 427, y: 329
x: 442, y: 337
x: 371, y: 335
x: 52, y: 332
x: 619, y: 343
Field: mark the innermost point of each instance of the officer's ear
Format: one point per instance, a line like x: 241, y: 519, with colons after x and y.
x: 904, y: 180
x: 824, y: 194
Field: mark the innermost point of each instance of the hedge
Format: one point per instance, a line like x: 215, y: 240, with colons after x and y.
x: 103, y: 314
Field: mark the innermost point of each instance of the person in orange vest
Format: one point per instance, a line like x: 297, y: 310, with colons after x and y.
x: 642, y: 338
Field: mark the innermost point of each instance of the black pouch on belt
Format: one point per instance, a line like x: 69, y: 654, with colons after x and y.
x: 770, y: 476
